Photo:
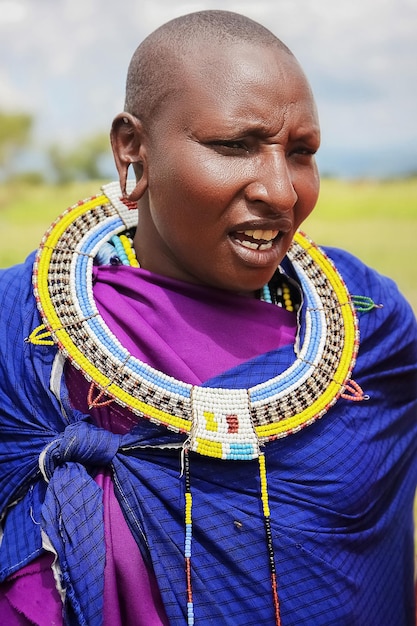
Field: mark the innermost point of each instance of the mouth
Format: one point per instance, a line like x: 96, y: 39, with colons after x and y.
x: 257, y: 239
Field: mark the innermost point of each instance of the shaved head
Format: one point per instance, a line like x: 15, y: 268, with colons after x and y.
x: 155, y: 69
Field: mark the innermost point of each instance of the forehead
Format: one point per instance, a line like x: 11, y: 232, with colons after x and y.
x: 240, y: 82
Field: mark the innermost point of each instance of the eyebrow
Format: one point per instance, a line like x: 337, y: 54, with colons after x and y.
x: 308, y: 135
x: 241, y: 127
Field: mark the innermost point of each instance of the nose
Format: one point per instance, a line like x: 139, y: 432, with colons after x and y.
x: 272, y: 183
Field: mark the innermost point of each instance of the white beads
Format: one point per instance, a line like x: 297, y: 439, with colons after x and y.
x: 222, y: 424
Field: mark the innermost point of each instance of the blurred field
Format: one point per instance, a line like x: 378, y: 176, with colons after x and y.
x: 376, y: 220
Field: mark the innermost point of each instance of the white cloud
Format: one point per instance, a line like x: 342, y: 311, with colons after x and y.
x: 66, y: 60
x: 9, y: 95
x: 12, y: 12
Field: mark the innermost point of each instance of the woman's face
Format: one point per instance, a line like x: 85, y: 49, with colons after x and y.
x: 231, y: 172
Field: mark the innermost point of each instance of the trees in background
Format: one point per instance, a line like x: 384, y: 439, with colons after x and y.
x: 85, y: 161
x: 15, y: 135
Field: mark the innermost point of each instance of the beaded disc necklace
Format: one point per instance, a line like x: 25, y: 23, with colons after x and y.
x: 303, y: 393
x: 229, y: 424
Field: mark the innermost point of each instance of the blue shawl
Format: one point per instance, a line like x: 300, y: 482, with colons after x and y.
x: 341, y: 490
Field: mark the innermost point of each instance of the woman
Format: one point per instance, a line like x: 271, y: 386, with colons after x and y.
x: 206, y: 456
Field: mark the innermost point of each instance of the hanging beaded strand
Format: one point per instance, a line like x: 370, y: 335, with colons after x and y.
x: 269, y: 540
x: 188, y: 538
x: 266, y: 294
x: 268, y: 533
x: 286, y: 296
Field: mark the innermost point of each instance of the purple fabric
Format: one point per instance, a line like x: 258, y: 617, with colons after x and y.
x: 131, y: 594
x: 29, y: 596
x: 191, y: 332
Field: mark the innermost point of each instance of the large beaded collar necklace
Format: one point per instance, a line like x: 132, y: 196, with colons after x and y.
x: 325, y: 352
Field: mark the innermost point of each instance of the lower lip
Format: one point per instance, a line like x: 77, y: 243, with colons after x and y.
x: 259, y: 258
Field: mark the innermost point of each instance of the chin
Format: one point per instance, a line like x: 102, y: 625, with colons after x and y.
x: 252, y: 286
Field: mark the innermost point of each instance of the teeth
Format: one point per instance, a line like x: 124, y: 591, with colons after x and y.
x: 266, y: 235
x: 250, y: 244
x: 256, y: 246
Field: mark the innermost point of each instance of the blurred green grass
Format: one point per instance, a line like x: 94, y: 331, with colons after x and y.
x: 376, y: 220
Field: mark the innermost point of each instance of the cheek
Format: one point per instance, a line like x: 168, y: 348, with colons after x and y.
x: 307, y: 187
x: 189, y: 173
x: 208, y: 178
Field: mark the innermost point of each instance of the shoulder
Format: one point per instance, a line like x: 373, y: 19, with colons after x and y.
x: 15, y: 283
x: 361, y: 278
x: 388, y: 331
x: 364, y: 281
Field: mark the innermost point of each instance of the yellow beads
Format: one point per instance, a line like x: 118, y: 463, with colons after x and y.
x: 130, y: 253
x: 211, y: 423
x: 40, y: 336
x: 209, y: 448
x: 286, y: 296
x: 188, y: 507
x: 264, y: 486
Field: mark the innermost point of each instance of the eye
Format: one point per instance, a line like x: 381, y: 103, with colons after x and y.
x: 303, y: 154
x: 229, y: 146
x: 304, y: 146
x: 304, y: 150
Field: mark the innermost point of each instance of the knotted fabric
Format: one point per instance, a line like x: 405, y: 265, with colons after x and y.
x: 75, y: 500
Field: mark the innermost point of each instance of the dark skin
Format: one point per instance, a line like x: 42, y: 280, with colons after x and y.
x: 226, y: 171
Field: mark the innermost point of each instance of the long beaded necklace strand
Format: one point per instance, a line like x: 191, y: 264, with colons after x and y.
x: 189, y: 532
x: 220, y: 423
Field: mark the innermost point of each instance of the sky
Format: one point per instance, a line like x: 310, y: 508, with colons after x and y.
x: 65, y: 62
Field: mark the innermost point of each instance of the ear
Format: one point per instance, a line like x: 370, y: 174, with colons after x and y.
x: 127, y: 141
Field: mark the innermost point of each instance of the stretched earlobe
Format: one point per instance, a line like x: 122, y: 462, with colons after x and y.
x: 127, y: 137
x: 123, y: 175
x: 131, y: 200
x: 139, y: 190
